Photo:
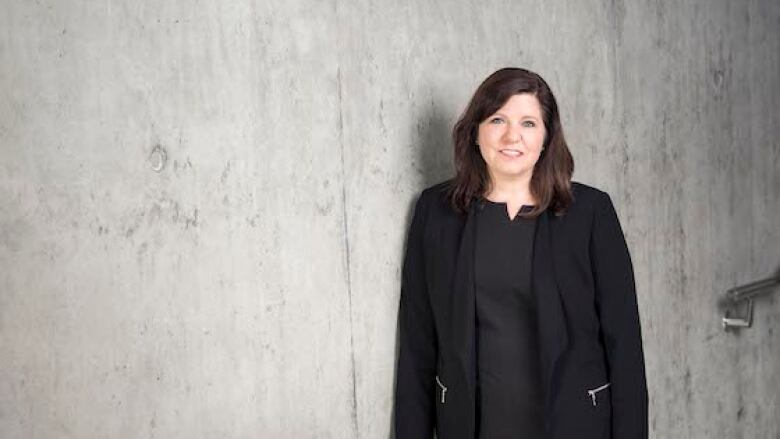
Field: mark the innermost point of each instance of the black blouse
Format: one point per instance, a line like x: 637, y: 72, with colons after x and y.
x: 509, y: 391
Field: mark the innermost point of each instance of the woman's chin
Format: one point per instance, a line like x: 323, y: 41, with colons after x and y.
x: 512, y: 171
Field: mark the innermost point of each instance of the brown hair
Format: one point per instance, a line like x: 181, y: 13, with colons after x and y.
x: 551, y: 180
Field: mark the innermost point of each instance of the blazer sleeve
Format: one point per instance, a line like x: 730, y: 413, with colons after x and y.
x: 416, y: 368
x: 616, y: 303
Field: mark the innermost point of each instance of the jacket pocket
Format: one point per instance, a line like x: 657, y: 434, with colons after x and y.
x: 442, y: 388
x: 593, y: 392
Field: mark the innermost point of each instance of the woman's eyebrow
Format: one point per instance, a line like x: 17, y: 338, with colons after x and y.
x: 521, y: 117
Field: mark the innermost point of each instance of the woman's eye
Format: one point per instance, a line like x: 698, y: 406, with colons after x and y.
x: 529, y: 123
x: 496, y: 120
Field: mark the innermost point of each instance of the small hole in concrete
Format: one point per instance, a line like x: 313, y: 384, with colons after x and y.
x: 158, y: 158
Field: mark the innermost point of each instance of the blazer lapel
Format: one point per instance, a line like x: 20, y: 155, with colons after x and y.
x: 553, y: 338
x: 462, y: 322
x: 463, y: 301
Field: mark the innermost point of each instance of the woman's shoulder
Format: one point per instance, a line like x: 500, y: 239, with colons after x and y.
x: 434, y: 199
x: 586, y: 192
x: 592, y: 196
x: 439, y: 189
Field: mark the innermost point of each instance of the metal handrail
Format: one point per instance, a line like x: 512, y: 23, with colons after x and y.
x: 753, y: 289
x: 746, y: 293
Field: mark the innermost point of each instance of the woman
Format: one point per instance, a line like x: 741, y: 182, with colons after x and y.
x: 518, y: 315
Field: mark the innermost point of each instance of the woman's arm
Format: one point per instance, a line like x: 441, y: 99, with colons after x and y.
x: 619, y: 316
x: 414, y: 392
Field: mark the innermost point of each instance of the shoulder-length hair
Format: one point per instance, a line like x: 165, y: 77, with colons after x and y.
x: 551, y: 179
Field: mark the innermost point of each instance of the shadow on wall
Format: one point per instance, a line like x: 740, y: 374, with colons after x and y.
x: 433, y: 135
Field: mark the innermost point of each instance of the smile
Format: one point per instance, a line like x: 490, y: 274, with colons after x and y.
x: 510, y: 153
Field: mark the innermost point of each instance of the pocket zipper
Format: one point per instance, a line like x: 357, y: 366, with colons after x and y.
x: 443, y: 388
x: 593, y: 392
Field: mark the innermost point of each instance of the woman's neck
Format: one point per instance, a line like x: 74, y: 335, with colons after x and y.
x: 513, y: 191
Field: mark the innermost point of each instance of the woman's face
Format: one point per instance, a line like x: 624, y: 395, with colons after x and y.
x: 510, y: 140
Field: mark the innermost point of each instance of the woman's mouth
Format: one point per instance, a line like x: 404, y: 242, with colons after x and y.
x: 511, y: 153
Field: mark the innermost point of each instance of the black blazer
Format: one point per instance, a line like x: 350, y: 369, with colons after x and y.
x: 590, y: 339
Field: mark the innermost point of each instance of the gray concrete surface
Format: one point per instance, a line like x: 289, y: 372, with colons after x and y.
x: 204, y: 204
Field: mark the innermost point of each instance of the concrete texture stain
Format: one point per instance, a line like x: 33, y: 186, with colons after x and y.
x: 225, y: 172
x: 347, y: 254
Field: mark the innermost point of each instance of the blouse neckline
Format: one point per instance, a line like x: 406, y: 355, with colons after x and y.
x: 505, y: 214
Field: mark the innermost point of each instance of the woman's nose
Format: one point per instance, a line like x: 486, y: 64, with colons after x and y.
x: 513, y: 133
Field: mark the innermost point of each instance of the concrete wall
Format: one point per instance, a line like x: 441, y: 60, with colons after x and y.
x: 204, y: 204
